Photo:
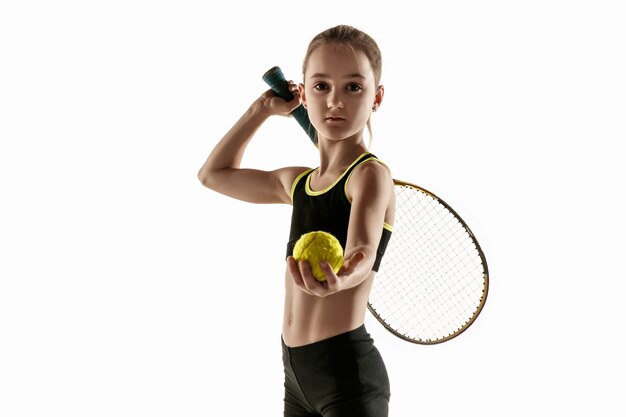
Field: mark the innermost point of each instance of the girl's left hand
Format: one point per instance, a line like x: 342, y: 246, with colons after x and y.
x: 302, y: 277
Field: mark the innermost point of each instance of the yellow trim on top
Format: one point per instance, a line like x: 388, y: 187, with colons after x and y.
x: 308, y: 189
x: 388, y: 227
x: 295, y: 182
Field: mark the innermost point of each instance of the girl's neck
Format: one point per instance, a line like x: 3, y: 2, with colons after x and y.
x: 336, y: 156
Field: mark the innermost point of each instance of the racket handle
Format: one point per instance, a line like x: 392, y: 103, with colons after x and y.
x: 275, y: 78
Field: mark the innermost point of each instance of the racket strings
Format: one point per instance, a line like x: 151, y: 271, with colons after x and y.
x: 432, y: 281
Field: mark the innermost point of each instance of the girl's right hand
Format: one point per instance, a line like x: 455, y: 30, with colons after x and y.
x: 272, y: 104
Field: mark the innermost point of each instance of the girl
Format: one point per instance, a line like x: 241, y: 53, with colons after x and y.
x: 332, y: 368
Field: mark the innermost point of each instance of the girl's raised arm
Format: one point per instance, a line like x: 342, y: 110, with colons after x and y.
x: 221, y: 171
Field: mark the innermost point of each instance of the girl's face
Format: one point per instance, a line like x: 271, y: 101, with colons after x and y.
x: 339, y: 91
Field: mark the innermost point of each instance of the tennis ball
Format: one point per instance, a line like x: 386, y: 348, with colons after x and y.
x: 316, y: 247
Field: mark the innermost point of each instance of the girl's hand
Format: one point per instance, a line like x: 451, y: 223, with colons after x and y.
x: 302, y: 277
x: 272, y: 105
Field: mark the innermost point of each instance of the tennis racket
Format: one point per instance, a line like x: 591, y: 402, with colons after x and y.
x: 433, y: 282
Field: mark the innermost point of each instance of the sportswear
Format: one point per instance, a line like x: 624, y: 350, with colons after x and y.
x: 328, y: 210
x: 342, y: 376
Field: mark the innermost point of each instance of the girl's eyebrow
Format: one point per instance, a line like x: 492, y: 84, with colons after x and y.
x: 355, y: 75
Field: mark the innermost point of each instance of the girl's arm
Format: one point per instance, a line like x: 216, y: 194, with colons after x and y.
x: 370, y: 189
x: 221, y: 171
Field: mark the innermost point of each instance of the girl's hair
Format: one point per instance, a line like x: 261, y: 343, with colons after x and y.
x: 354, y: 39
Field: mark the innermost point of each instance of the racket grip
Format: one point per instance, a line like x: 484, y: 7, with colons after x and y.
x: 275, y: 78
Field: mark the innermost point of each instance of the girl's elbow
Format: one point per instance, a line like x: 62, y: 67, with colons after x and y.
x: 206, y: 178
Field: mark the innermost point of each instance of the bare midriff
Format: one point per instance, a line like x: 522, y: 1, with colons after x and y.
x: 309, y: 319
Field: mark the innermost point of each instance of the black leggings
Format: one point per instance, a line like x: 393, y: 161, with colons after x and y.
x: 342, y: 376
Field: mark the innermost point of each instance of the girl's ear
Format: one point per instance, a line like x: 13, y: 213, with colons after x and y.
x: 380, y: 92
x: 302, y: 94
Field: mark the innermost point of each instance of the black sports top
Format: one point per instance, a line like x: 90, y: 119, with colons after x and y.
x: 328, y: 210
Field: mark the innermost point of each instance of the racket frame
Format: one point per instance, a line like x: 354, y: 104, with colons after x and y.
x: 467, y: 324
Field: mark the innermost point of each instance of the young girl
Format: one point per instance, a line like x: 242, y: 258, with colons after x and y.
x: 332, y: 368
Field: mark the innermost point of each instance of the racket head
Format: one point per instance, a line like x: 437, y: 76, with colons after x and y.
x: 434, y: 280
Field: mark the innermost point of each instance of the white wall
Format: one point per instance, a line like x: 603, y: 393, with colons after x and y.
x: 128, y: 289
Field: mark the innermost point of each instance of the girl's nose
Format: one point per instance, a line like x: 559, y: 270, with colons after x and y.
x: 334, y: 101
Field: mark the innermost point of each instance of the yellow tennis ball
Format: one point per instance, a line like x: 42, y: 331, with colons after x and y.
x: 316, y: 247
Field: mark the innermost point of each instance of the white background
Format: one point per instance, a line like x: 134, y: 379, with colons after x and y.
x: 128, y: 289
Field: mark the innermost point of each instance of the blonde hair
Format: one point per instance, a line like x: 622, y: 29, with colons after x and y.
x: 354, y: 39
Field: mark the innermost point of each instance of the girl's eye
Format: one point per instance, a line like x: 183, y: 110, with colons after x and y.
x: 320, y: 86
x: 354, y: 87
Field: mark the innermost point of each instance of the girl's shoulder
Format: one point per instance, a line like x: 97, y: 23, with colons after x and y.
x: 289, y: 176
x: 371, y: 168
x: 371, y: 176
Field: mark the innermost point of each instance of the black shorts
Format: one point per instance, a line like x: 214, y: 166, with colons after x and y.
x: 342, y: 376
